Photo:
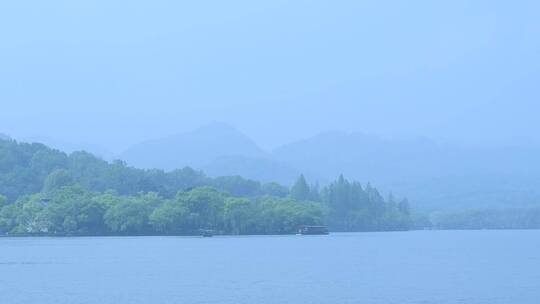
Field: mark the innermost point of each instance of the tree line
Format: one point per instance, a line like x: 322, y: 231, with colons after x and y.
x: 73, y: 210
x: 45, y: 191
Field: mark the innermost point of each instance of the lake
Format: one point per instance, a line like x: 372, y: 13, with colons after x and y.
x: 390, y: 267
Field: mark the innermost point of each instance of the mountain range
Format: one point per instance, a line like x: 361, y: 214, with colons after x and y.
x: 431, y: 175
x: 196, y: 148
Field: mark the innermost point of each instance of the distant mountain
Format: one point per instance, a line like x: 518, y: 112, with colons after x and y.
x: 431, y: 175
x: 4, y: 137
x: 364, y: 157
x: 261, y: 169
x: 197, y: 148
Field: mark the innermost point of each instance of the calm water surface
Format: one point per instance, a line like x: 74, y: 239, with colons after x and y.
x: 399, y: 267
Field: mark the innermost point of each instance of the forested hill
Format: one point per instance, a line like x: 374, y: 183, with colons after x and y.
x: 46, y: 191
x: 30, y: 168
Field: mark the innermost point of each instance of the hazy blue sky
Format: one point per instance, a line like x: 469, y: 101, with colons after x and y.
x: 118, y: 72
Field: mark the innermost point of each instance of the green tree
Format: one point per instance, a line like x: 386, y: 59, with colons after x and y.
x: 8, y: 218
x: 205, y: 207
x: 72, y: 210
x: 170, y: 218
x: 57, y: 179
x: 404, y: 207
x: 274, y: 189
x: 285, y: 215
x: 300, y: 190
x: 31, y: 218
x: 237, y: 186
x: 129, y: 216
x: 3, y: 201
x: 239, y: 216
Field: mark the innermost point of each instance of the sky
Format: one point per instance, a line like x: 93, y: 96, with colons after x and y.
x: 115, y: 73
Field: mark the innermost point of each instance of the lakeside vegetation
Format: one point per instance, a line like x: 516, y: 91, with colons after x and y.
x: 47, y: 192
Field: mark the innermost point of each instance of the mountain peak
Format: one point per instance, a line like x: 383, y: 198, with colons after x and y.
x: 195, y: 148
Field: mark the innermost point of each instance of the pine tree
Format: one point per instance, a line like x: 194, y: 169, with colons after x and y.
x: 300, y: 190
x: 404, y: 207
x: 314, y: 192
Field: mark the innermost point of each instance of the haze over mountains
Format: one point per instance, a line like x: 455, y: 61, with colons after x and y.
x: 217, y: 148
x: 432, y: 176
x: 196, y: 148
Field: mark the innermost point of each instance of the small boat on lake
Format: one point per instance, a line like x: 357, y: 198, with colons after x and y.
x: 207, y: 233
x: 313, y: 230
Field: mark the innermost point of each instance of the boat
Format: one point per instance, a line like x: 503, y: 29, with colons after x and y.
x: 207, y: 233
x: 313, y: 230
